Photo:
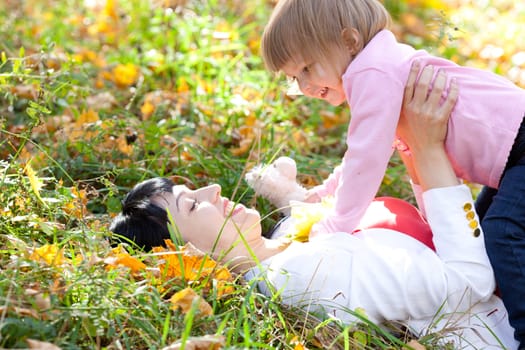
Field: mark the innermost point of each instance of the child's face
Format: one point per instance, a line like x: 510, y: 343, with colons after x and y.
x: 320, y: 79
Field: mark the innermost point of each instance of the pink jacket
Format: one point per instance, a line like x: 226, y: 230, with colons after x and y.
x: 481, y: 130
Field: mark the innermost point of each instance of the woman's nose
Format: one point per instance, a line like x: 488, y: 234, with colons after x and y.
x: 211, y: 193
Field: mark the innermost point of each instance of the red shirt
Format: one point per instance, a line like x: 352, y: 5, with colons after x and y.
x: 399, y: 215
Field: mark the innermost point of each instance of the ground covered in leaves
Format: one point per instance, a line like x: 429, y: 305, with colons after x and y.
x: 97, y: 95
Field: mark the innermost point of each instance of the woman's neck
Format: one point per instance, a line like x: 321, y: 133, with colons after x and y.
x: 259, y: 251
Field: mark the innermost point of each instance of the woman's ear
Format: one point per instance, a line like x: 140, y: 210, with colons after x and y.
x: 352, y: 40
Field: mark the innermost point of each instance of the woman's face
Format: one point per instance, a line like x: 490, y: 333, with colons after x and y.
x: 212, y: 223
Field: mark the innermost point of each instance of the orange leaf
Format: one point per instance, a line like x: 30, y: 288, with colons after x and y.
x: 298, y: 344
x: 120, y: 257
x: 191, y: 264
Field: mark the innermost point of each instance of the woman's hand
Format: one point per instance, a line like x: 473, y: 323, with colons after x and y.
x: 423, y: 127
x: 423, y: 120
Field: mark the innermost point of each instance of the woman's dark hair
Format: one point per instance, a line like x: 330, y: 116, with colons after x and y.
x: 141, y: 221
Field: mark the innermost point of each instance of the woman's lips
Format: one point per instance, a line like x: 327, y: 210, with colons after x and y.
x: 232, y: 208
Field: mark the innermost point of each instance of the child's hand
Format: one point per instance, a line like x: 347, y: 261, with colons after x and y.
x: 314, y: 231
x: 311, y: 197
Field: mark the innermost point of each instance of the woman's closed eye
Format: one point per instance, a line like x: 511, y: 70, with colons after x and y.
x: 194, y: 205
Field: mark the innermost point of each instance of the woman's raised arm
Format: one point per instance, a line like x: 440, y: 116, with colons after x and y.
x: 423, y: 127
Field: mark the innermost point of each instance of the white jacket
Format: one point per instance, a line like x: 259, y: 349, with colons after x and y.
x: 393, y: 277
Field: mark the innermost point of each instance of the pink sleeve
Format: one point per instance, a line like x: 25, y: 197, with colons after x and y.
x: 329, y: 185
x: 375, y: 103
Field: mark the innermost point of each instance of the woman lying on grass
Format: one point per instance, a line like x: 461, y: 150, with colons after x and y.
x: 385, y: 273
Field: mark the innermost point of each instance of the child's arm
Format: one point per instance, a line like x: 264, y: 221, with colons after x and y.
x: 371, y: 133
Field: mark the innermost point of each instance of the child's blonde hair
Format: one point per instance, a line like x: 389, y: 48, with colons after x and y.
x: 309, y: 29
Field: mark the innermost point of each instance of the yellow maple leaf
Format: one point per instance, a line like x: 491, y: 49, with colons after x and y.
x: 34, y: 180
x: 106, y: 21
x: 124, y: 75
x: 110, y: 9
x: 147, y: 109
x: 186, y: 298
x: 89, y: 116
x: 77, y: 206
x: 50, y: 254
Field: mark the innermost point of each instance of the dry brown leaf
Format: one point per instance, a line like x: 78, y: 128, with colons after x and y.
x: 29, y: 92
x: 42, y: 301
x: 206, y: 342
x: 79, y: 130
x: 77, y: 206
x: 52, y: 124
x: 414, y: 344
x: 41, y: 345
x: 185, y: 299
x: 156, y: 98
x: 20, y: 311
x: 103, y: 100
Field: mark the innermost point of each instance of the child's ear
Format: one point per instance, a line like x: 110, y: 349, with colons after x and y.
x: 352, y: 40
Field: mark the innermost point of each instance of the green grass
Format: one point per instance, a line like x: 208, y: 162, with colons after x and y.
x: 218, y: 114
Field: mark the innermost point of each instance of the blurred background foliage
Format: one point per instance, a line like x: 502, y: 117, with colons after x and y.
x: 96, y: 95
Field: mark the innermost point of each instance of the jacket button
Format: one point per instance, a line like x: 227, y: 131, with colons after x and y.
x: 477, y: 232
